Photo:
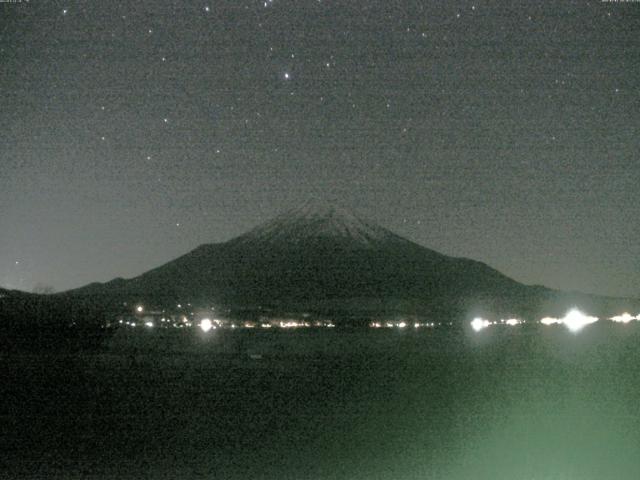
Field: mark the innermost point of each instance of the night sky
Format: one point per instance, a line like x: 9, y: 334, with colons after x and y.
x: 507, y: 132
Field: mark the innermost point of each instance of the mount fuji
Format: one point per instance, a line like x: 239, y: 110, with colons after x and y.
x: 321, y: 258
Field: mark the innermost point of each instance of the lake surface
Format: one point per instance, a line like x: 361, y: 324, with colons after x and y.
x: 504, y: 403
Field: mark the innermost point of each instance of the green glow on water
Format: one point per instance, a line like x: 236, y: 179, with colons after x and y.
x: 505, y: 403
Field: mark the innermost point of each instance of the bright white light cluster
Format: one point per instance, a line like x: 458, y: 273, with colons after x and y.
x: 550, y: 321
x: 574, y: 320
x: 625, y: 318
x: 479, y: 323
x: 206, y: 324
x: 513, y: 321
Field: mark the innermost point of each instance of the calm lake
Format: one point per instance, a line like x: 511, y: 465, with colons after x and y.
x: 505, y: 403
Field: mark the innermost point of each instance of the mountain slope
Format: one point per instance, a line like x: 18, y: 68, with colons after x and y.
x: 319, y: 257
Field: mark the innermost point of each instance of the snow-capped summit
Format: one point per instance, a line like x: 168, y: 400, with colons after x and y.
x: 315, y: 220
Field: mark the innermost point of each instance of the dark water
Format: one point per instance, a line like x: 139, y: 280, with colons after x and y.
x: 507, y: 403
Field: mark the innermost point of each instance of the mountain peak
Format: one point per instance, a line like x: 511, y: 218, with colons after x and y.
x: 315, y: 209
x: 318, y: 219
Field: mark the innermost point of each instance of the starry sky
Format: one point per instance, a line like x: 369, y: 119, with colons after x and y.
x: 503, y: 131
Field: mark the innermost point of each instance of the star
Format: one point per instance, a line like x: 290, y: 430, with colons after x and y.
x: 287, y: 76
x: 65, y: 11
x: 165, y: 120
x: 207, y: 9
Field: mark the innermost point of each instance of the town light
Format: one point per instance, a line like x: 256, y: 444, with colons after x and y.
x: 206, y: 325
x: 479, y: 323
x: 550, y: 321
x: 575, y: 320
x: 624, y: 318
